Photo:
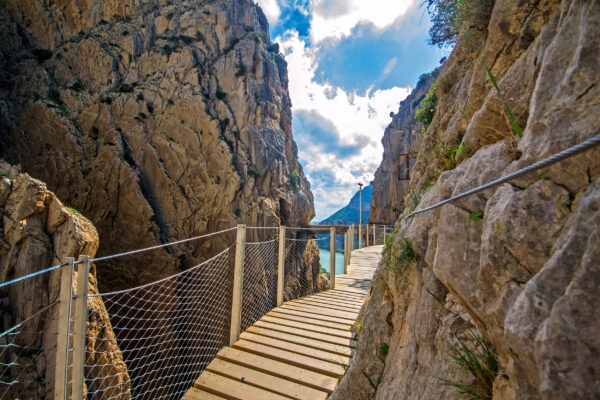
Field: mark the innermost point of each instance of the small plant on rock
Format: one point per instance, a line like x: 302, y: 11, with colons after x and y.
x: 398, y: 254
x: 477, y: 358
x: 294, y: 179
x: 426, y: 108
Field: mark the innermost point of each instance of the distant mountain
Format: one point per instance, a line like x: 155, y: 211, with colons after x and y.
x: 349, y: 214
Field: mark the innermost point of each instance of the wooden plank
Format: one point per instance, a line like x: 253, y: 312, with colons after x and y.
x: 302, y: 361
x: 320, y: 310
x: 331, y: 297
x: 328, y: 303
x: 337, y: 300
x: 315, y: 328
x: 265, y: 381
x: 232, y: 389
x: 292, y: 373
x: 310, y: 321
x: 314, y: 316
x: 296, y: 348
x: 304, y: 333
x: 339, y: 294
x: 197, y: 394
x: 317, y: 344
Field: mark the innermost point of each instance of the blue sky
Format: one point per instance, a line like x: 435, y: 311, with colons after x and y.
x: 350, y: 63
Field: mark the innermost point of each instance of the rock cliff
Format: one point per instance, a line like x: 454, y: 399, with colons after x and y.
x: 157, y: 120
x: 517, y: 263
x: 37, y: 231
x: 401, y: 136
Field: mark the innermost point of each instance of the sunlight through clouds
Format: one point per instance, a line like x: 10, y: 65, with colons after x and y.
x: 336, y: 18
x: 353, y: 122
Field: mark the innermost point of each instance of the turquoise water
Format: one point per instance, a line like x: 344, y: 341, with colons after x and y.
x: 339, y: 261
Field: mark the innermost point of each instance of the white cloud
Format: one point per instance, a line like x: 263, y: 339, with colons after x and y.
x: 271, y: 9
x: 355, y: 117
x: 328, y: 24
x: 390, y: 66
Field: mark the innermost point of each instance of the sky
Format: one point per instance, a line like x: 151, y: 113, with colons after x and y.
x: 350, y: 63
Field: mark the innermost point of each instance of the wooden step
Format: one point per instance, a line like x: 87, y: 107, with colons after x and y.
x: 317, y: 344
x: 310, y: 321
x: 296, y: 348
x: 324, y: 304
x: 264, y: 381
x: 314, y: 328
x: 197, y: 394
x: 292, y: 373
x: 232, y: 389
x: 304, y: 333
x: 308, y: 314
x: 322, y: 311
x: 320, y: 366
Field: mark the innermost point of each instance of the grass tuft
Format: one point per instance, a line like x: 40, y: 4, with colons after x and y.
x: 398, y: 255
x: 479, y: 359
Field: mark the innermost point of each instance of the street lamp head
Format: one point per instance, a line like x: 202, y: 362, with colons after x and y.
x: 360, y: 184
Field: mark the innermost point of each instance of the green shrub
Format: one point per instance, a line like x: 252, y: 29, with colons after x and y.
x: 479, y: 359
x: 167, y: 50
x: 186, y: 39
x: 384, y: 349
x: 254, y: 172
x: 398, y: 255
x: 453, y: 18
x: 426, y: 108
x: 294, y: 179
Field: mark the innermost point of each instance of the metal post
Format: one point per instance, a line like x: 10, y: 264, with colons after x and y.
x: 79, y: 327
x: 367, y: 235
x: 280, y: 266
x: 332, y: 258
x: 384, y: 232
x: 62, y: 337
x: 238, y: 277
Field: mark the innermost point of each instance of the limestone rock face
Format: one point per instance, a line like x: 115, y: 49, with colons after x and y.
x: 157, y: 120
x: 518, y: 262
x: 402, y: 135
x: 36, y: 232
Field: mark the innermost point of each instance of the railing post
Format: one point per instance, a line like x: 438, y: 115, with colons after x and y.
x: 332, y: 258
x: 79, y: 327
x: 360, y: 236
x: 384, y: 232
x: 281, y: 266
x: 374, y: 235
x: 346, y: 251
x: 62, y: 337
x: 367, y: 232
x: 238, y: 277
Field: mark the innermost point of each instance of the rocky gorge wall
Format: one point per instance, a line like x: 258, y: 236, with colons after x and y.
x: 37, y: 231
x: 517, y: 263
x: 401, y: 136
x: 157, y: 120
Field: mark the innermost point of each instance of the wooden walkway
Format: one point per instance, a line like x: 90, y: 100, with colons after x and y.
x: 299, y: 350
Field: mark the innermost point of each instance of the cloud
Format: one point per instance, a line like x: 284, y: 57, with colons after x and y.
x: 271, y: 9
x: 390, y: 66
x: 333, y: 8
x: 316, y: 133
x: 338, y: 131
x: 336, y: 18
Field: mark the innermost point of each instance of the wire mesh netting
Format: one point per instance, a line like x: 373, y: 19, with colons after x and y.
x: 302, y: 268
x: 28, y: 330
x: 165, y: 333
x: 259, y: 293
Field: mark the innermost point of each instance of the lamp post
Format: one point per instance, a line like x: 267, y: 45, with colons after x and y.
x: 360, y: 185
